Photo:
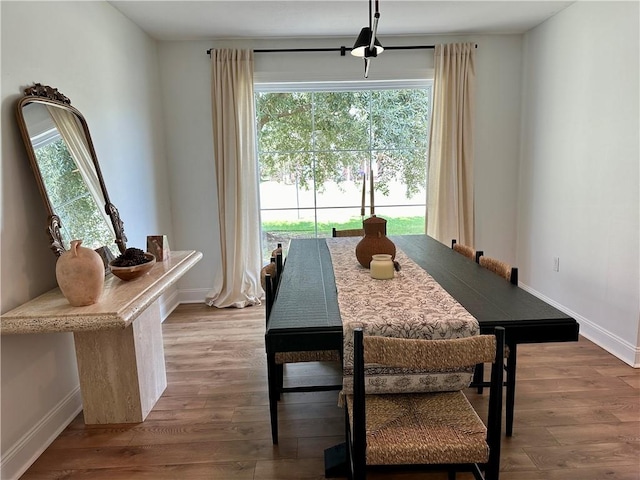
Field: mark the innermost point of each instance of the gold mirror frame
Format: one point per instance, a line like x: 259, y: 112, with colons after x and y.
x: 51, y: 97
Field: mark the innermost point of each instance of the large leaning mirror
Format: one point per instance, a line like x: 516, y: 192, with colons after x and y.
x: 66, y: 167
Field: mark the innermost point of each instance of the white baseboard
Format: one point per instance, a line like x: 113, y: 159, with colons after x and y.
x: 21, y: 456
x: 168, y: 302
x: 613, y: 344
x: 194, y: 295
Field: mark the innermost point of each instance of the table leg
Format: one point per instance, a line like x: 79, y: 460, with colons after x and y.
x: 511, y: 388
x: 122, y: 372
x: 272, y: 381
x: 335, y: 461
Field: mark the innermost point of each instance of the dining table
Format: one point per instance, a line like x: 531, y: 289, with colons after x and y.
x: 306, y: 315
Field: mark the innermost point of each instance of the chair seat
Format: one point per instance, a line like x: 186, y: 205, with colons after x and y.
x: 427, y: 428
x: 308, y: 356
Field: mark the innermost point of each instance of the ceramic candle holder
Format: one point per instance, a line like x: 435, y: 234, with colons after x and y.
x: 381, y: 266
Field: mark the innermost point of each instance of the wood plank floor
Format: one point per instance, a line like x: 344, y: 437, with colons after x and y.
x: 577, y: 415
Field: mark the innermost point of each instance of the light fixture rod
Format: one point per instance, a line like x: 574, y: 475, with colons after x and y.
x: 373, y: 28
x: 374, y: 31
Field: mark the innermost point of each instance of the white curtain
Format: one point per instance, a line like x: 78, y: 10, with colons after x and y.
x: 237, y: 279
x: 450, y: 205
x: 73, y: 135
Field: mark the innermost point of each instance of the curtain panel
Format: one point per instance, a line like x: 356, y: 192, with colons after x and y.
x: 450, y: 201
x: 236, y: 282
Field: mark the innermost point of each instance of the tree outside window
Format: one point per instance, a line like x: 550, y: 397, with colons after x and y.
x: 316, y: 147
x: 70, y: 198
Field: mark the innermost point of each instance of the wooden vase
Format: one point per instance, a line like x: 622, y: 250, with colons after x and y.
x: 80, y: 275
x: 375, y: 241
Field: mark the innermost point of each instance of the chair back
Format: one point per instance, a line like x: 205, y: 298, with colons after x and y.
x: 436, y: 355
x: 353, y: 232
x: 269, y: 296
x: 466, y: 250
x: 279, y: 269
x: 278, y: 258
x: 270, y: 276
x: 503, y: 269
x: 268, y: 269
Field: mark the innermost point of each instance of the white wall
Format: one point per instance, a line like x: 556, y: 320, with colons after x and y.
x: 579, y: 175
x: 186, y: 76
x: 571, y: 203
x: 109, y: 70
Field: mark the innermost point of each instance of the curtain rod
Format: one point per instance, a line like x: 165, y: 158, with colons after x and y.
x: 342, y: 49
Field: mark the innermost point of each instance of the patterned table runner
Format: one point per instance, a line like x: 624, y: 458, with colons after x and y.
x: 411, y: 305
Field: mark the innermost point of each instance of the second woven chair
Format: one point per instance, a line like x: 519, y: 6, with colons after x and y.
x: 498, y: 267
x: 466, y: 250
x: 439, y: 430
x: 510, y: 274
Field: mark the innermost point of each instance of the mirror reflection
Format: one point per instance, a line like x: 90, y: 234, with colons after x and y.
x: 68, y: 173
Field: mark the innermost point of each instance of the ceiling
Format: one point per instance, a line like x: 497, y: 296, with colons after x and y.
x: 218, y: 19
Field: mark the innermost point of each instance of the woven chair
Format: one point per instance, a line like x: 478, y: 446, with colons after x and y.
x: 505, y: 270
x: 438, y: 430
x: 466, y: 250
x: 272, y: 282
x: 353, y: 232
x: 268, y: 269
x: 510, y: 274
x: 273, y: 269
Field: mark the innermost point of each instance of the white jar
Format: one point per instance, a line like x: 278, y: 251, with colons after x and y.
x: 381, y: 266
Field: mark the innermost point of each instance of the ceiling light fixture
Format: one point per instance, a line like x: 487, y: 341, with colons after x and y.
x: 367, y: 45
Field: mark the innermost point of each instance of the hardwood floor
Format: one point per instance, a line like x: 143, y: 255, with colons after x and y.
x: 577, y: 415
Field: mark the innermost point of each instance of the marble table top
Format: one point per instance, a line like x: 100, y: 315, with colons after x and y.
x: 120, y: 304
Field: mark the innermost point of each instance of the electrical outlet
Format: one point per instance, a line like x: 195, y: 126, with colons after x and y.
x: 556, y: 264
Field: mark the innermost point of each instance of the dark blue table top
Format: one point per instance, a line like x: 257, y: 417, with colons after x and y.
x: 307, y: 300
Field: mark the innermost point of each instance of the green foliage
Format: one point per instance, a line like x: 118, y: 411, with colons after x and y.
x: 70, y: 198
x: 309, y: 138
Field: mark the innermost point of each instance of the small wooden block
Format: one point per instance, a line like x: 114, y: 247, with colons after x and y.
x: 159, y: 246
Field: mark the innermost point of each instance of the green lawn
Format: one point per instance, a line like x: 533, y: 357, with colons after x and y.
x: 281, y: 231
x: 395, y: 226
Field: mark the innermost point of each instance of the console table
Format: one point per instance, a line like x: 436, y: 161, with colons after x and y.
x: 118, y: 341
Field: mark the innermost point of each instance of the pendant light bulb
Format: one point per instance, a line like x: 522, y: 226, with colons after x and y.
x: 363, y: 42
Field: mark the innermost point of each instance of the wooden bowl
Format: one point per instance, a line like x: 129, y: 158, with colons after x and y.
x: 131, y: 273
